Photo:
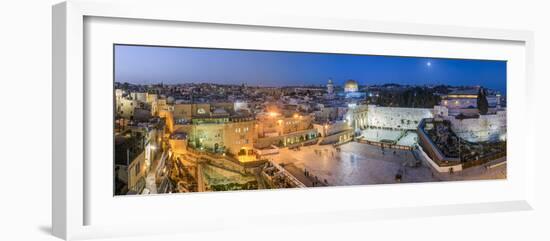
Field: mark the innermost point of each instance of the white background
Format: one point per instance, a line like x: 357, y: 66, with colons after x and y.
x: 25, y: 54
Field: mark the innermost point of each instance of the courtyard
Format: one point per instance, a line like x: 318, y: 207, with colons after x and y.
x: 355, y: 163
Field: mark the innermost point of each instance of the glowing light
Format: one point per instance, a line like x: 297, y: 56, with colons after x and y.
x: 462, y: 96
x: 273, y: 114
x: 429, y: 64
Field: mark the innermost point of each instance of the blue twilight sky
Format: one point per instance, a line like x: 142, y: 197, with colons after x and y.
x: 170, y: 65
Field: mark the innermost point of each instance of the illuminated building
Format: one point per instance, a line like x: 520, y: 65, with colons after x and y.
x: 182, y: 112
x: 465, y: 101
x: 118, y: 95
x: 125, y: 107
x: 241, y: 105
x: 187, y: 111
x: 351, y: 90
x: 216, y: 128
x: 150, y: 98
x: 330, y: 88
x: 351, y: 86
x: 275, y: 124
x: 274, y: 128
x: 137, y: 172
x: 356, y: 116
x: 329, y: 113
x: 158, y: 105
x: 233, y: 135
x: 139, y: 96
x: 335, y: 132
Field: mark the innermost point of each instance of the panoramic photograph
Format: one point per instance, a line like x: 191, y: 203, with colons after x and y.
x: 192, y: 119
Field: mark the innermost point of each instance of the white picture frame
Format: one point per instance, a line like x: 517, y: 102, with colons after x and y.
x: 71, y: 191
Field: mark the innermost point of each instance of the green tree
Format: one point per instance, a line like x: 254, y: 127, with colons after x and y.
x: 482, y: 104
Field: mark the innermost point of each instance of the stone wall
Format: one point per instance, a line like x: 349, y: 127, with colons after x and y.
x: 396, y: 117
x: 484, y: 128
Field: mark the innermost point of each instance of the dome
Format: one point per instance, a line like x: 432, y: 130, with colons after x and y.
x: 170, y: 100
x: 351, y: 86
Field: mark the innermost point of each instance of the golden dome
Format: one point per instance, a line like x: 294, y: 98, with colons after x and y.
x: 351, y: 86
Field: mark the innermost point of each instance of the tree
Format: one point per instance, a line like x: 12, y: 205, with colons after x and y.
x: 482, y: 104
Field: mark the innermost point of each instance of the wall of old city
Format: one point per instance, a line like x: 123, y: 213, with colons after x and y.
x: 396, y: 117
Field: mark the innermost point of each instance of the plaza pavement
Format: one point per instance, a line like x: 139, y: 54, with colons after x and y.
x: 360, y: 164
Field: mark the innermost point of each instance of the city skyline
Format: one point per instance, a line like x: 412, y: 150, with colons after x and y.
x: 179, y: 65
